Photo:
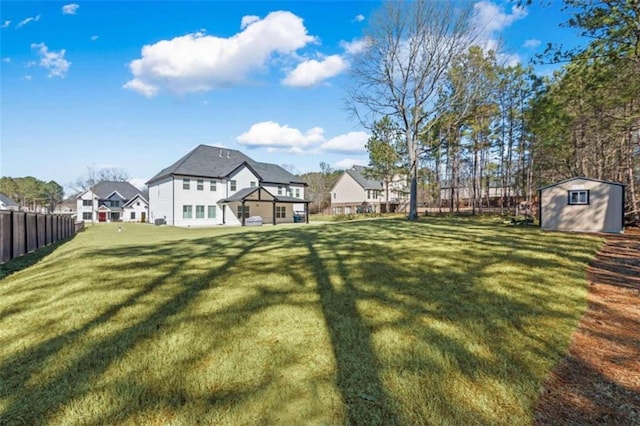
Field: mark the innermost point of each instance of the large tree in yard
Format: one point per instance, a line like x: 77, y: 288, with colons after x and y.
x: 410, y: 47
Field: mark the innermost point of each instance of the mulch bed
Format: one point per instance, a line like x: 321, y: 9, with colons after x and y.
x: 598, y: 382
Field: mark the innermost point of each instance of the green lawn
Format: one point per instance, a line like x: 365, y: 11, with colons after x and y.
x: 382, y: 321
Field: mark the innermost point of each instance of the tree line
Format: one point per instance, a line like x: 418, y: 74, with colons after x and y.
x: 32, y: 193
x: 450, y: 114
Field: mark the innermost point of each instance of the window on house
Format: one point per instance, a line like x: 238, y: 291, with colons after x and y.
x: 213, y: 185
x: 86, y: 216
x: 368, y: 194
x: 211, y: 212
x: 115, y: 203
x: 297, y: 192
x: 233, y: 185
x: 288, y: 192
x: 281, y: 212
x: 186, y: 184
x: 334, y: 195
x: 133, y: 215
x: 87, y: 203
x: 199, y: 212
x: 279, y: 189
x: 252, y: 184
x: 187, y: 212
x: 138, y: 203
x: 579, y: 197
x: 246, y: 212
x: 199, y: 184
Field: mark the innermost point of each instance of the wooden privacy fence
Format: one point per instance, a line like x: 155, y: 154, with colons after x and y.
x: 22, y: 233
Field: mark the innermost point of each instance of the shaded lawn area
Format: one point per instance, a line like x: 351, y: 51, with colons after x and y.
x: 444, y: 321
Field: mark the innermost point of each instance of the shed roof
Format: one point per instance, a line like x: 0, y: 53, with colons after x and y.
x: 581, y: 178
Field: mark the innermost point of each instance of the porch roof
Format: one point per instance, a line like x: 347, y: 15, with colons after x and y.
x: 259, y: 193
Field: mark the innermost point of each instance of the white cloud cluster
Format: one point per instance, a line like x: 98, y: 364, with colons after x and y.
x: 532, y: 43
x: 53, y: 62
x: 355, y: 46
x: 275, y: 136
x: 70, y: 9
x: 489, y: 18
x: 359, y: 18
x: 312, y: 72
x: 27, y: 20
x: 6, y: 23
x: 198, y: 62
x: 348, y: 163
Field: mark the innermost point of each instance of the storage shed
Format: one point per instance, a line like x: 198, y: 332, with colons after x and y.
x: 582, y: 204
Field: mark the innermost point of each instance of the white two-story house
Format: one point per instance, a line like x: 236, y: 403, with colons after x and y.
x: 219, y: 186
x: 109, y: 201
x: 353, y: 192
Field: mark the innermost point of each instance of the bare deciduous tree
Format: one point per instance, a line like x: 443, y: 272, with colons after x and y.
x: 93, y: 176
x: 409, y: 49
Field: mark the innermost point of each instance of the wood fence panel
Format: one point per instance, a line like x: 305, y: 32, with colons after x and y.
x: 6, y: 241
x: 49, y: 230
x: 19, y: 234
x: 31, y: 226
x: 42, y: 240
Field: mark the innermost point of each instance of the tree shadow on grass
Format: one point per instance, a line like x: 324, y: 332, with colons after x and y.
x: 350, y: 274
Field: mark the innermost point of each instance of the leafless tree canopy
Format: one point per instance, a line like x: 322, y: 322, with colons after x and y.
x: 410, y: 47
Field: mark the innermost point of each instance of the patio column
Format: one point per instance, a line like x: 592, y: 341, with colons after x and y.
x: 274, y: 211
x: 243, y: 213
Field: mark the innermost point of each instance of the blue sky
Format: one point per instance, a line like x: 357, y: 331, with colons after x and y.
x: 136, y: 85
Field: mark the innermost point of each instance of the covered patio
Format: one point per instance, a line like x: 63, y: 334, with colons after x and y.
x: 262, y: 198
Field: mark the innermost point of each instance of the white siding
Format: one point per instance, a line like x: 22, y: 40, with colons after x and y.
x: 161, y: 200
x: 194, y: 197
x: 81, y: 209
x: 139, y: 207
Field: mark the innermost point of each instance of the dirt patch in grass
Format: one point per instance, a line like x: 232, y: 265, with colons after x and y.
x: 599, y: 381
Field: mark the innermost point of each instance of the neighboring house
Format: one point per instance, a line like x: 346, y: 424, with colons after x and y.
x: 215, y: 186
x: 7, y: 203
x: 68, y: 206
x: 355, y: 193
x: 582, y: 204
x: 112, y: 202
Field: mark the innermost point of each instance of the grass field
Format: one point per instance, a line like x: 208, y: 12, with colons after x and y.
x: 382, y: 321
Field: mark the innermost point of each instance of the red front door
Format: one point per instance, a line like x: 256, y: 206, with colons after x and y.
x: 102, y: 216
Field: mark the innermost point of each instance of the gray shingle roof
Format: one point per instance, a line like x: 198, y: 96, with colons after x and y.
x: 357, y: 173
x: 105, y: 188
x: 7, y: 201
x: 215, y: 162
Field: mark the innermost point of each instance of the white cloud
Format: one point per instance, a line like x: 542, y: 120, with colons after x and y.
x: 273, y: 135
x: 312, y: 72
x: 53, y: 62
x: 489, y: 18
x: 277, y: 137
x: 248, y: 20
x: 198, y: 62
x: 94, y: 37
x: 6, y: 23
x: 6, y: 60
x: 28, y: 20
x: 357, y: 45
x: 26, y: 77
x: 139, y: 183
x: 354, y: 142
x: 531, y: 43
x: 348, y: 163
x: 70, y: 9
x: 359, y: 18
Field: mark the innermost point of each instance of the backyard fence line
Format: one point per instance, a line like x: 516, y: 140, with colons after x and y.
x: 22, y: 232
